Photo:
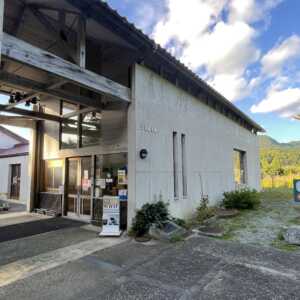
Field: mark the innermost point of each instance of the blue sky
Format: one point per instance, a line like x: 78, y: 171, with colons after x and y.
x: 249, y: 50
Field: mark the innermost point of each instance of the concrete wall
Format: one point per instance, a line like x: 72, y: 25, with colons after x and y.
x: 158, y: 109
x: 6, y: 176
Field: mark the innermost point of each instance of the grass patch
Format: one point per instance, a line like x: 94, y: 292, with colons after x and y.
x: 280, y: 244
x: 177, y: 239
x: 295, y: 221
x: 278, y: 194
x: 228, y: 236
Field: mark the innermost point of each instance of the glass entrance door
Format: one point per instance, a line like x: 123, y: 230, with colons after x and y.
x: 79, y: 188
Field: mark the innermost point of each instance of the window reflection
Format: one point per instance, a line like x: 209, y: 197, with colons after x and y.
x: 53, y: 175
x: 69, y: 131
x: 91, y: 129
x: 239, y: 167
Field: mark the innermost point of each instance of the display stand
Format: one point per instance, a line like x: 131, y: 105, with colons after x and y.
x: 111, y: 217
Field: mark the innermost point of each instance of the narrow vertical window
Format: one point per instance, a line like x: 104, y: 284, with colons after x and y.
x: 240, y: 167
x: 183, y: 161
x: 175, y: 164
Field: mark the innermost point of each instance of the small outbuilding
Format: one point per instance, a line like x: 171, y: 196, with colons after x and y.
x: 15, y: 182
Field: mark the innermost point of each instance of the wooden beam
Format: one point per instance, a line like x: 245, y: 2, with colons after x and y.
x: 36, y: 94
x: 81, y: 111
x: 17, y: 121
x: 1, y: 24
x: 53, y: 8
x: 18, y: 82
x: 23, y: 52
x: 81, y: 42
x: 36, y: 115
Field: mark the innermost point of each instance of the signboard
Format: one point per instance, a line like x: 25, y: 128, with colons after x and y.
x: 111, y: 216
x: 86, y: 184
x: 122, y: 180
x: 297, y: 190
x: 123, y: 195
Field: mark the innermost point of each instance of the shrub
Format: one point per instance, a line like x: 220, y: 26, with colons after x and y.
x: 179, y: 222
x: 204, y: 211
x: 241, y: 199
x: 154, y: 213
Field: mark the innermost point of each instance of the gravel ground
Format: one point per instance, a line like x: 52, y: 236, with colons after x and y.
x: 265, y: 225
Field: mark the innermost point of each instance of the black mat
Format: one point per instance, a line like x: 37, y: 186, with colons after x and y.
x: 18, y: 231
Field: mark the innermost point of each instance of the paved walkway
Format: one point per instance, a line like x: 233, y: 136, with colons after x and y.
x: 73, y: 263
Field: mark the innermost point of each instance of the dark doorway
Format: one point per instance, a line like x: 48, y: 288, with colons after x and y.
x: 15, y: 180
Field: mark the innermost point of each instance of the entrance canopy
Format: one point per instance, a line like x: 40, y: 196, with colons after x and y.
x: 54, y: 50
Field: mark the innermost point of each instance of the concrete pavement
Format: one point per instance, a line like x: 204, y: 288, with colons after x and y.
x: 199, y: 268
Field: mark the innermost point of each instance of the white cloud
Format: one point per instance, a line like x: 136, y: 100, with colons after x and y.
x: 250, y: 10
x: 205, y: 39
x: 283, y: 96
x: 228, y: 49
x: 231, y: 86
x: 275, y: 60
x: 285, y: 102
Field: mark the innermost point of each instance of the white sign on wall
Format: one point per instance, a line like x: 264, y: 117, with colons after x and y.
x: 111, y: 216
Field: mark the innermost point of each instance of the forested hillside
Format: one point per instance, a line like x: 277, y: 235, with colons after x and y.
x: 280, y: 162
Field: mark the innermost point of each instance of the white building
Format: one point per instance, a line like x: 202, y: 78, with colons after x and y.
x: 14, y: 183
x: 117, y: 115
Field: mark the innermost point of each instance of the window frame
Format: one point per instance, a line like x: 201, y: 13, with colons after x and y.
x: 79, y: 128
x: 52, y: 189
x: 243, y: 166
x: 175, y: 165
x: 184, y: 166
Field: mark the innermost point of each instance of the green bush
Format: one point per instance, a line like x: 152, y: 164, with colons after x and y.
x: 154, y: 213
x: 241, y: 199
x: 204, y: 212
x: 179, y: 222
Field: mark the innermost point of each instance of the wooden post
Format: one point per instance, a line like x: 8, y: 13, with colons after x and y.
x: 81, y: 42
x: 32, y: 168
x: 93, y: 167
x: 1, y: 23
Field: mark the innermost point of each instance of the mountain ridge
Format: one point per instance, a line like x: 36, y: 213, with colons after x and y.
x: 267, y: 142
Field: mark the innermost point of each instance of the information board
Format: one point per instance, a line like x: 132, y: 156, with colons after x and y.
x: 111, y: 216
x: 297, y: 190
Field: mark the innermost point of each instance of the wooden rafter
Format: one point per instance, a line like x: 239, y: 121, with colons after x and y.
x: 36, y: 94
x: 21, y: 83
x: 43, y: 19
x: 81, y: 42
x: 52, y: 8
x: 25, y: 53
